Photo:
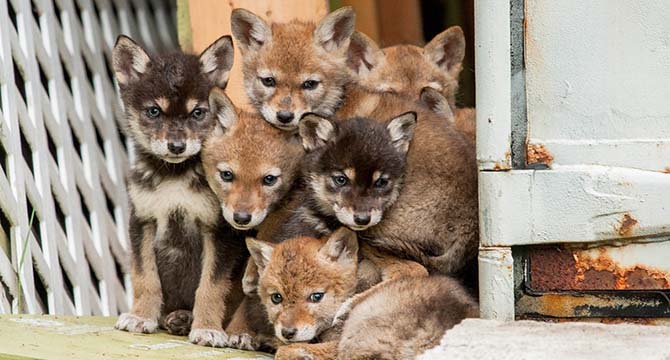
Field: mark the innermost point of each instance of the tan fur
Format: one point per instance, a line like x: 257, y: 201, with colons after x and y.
x: 466, y: 121
x: 421, y: 311
x: 251, y: 149
x: 318, y: 60
x: 147, y: 296
x: 209, y: 309
x: 191, y: 104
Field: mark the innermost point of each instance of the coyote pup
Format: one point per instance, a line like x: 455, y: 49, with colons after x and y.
x: 183, y: 256
x: 304, y: 281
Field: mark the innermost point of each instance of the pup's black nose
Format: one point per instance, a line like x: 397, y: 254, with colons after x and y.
x: 285, y: 117
x: 242, y: 218
x: 288, y: 333
x: 362, y: 219
x: 176, y: 147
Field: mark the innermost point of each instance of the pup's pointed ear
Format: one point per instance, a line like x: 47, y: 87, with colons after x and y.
x: 447, y: 50
x: 341, y: 246
x: 129, y: 60
x: 221, y: 107
x: 217, y: 60
x: 436, y: 103
x: 334, y: 31
x: 363, y: 54
x: 249, y: 30
x: 401, y: 129
x: 261, y: 252
x: 315, y: 131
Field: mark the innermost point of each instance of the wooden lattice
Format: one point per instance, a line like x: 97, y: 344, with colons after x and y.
x: 62, y: 153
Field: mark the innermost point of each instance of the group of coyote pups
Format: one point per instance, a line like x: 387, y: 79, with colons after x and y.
x: 325, y: 223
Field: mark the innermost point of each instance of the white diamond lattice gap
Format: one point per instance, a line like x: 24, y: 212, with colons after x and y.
x: 62, y: 153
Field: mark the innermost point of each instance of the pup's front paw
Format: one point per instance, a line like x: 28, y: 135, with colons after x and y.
x: 178, y: 322
x: 208, y: 337
x: 293, y: 352
x: 136, y: 324
x: 242, y: 342
x: 342, y: 313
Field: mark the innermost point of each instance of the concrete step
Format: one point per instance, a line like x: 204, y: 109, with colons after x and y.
x: 476, y: 339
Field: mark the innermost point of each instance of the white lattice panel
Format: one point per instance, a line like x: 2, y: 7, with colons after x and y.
x: 62, y: 153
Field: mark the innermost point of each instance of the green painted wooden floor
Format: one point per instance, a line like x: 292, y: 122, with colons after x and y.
x: 61, y: 337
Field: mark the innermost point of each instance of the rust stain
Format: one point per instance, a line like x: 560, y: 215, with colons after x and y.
x: 538, y: 154
x: 504, y: 166
x: 561, y: 269
x: 667, y: 170
x: 626, y: 225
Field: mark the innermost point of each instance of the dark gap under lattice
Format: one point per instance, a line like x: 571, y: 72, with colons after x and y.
x: 44, y: 80
x: 80, y: 12
x: 40, y: 288
x: 75, y: 142
x: 119, y: 271
x: 12, y: 14
x: 84, y: 208
x: 89, y: 74
x: 59, y: 14
x: 69, y: 288
x: 20, y: 82
x: 37, y: 13
x: 26, y: 151
x: 60, y: 216
x: 110, y: 205
x: 108, y: 69
x: 3, y: 158
x: 94, y: 278
x: 99, y: 139
x: 36, y: 225
x: 122, y: 136
x: 53, y: 150
x: 66, y: 76
x: 6, y: 229
x: 10, y: 297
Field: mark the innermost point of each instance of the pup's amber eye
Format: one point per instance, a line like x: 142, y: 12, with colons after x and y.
x: 269, y: 180
x: 226, y: 175
x: 276, y: 298
x: 310, y: 84
x: 153, y: 112
x: 340, y: 180
x: 316, y: 297
x: 268, y: 81
x: 198, y: 113
x: 381, y: 182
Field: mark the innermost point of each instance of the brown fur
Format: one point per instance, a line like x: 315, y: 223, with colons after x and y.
x: 434, y: 221
x: 407, y: 69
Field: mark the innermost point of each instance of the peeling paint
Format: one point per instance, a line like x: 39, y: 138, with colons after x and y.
x: 627, y: 225
x: 602, y: 268
x: 538, y: 154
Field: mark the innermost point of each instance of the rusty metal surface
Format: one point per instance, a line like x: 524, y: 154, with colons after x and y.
x: 595, y: 305
x: 538, y: 154
x: 639, y: 266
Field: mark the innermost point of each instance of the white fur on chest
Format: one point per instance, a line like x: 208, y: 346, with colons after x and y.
x: 171, y: 195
